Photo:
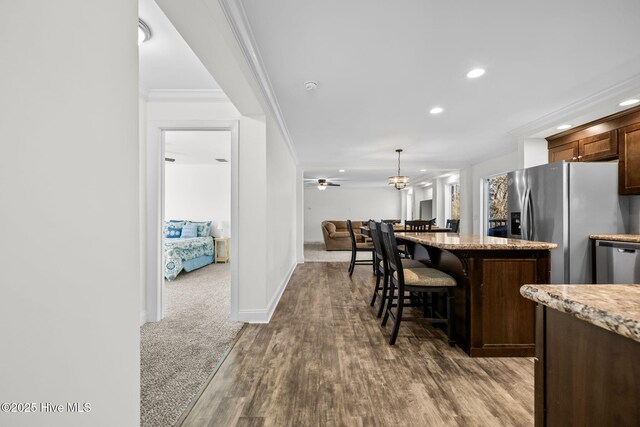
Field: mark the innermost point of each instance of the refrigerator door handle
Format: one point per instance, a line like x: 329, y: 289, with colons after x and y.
x: 523, y: 220
x: 527, y: 216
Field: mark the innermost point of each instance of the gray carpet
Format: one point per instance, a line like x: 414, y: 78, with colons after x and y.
x: 179, y: 353
x: 315, y: 252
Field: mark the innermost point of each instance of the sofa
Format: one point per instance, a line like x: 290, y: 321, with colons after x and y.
x: 336, y: 234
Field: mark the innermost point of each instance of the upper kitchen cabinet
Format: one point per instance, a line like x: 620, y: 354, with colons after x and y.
x: 568, y: 152
x: 613, y: 137
x: 599, y: 147
x: 629, y: 165
x: 603, y: 146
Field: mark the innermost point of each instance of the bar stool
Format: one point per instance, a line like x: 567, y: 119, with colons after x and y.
x: 422, y: 281
x: 382, y: 267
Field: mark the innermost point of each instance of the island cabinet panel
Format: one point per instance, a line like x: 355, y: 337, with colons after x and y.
x: 492, y: 318
x: 629, y: 166
x: 501, y: 279
x: 585, y: 375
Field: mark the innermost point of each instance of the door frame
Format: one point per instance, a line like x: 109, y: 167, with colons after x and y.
x: 155, y: 154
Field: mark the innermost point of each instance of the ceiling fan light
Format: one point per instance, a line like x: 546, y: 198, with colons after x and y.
x: 322, y: 187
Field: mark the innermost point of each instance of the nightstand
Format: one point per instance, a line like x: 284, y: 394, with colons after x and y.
x: 221, y: 249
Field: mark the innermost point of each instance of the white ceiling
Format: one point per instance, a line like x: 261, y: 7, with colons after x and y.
x: 381, y: 66
x: 198, y: 147
x: 166, y: 60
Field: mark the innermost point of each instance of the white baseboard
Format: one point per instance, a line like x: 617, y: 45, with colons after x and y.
x: 264, y: 316
x: 143, y: 317
x: 300, y: 260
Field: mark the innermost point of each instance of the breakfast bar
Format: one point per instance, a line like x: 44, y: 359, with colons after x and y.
x: 492, y: 319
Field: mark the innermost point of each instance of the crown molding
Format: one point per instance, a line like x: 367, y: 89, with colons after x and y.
x: 237, y: 17
x: 185, y: 95
x: 602, y: 100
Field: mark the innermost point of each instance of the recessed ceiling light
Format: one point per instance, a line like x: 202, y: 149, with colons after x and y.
x: 563, y: 127
x: 436, y: 110
x: 144, y: 33
x: 423, y: 170
x: 475, y: 73
x: 628, y: 102
x: 342, y: 171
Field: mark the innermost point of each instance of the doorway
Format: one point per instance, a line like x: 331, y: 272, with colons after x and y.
x: 156, y: 156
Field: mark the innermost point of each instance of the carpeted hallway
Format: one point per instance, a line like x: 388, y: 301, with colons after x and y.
x: 178, y: 354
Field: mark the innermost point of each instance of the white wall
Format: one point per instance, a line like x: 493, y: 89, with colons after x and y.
x: 282, y: 214
x: 69, y: 190
x: 198, y: 192
x: 533, y: 152
x: 339, y: 203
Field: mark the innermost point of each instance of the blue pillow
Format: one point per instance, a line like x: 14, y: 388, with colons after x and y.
x: 189, y: 231
x: 173, y: 232
x: 204, y: 228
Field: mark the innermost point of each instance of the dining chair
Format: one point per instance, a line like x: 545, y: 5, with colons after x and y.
x: 382, y: 267
x: 424, y: 282
x: 417, y: 225
x: 359, y: 247
x: 453, y: 225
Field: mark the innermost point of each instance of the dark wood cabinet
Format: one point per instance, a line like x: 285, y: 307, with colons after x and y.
x: 603, y: 146
x: 594, y: 148
x: 629, y: 166
x: 565, y: 152
x: 584, y: 375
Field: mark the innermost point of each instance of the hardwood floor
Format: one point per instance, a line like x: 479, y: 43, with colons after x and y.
x: 324, y: 360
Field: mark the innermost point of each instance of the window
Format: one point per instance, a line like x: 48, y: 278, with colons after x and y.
x: 454, y: 201
x: 496, y: 205
x: 409, y: 216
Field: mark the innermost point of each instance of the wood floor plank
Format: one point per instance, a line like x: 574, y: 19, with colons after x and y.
x: 324, y: 360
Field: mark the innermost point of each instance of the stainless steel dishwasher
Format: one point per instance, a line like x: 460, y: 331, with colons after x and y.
x: 617, y: 262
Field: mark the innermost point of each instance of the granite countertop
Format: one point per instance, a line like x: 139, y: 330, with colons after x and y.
x: 612, y: 307
x: 453, y: 241
x: 631, y: 238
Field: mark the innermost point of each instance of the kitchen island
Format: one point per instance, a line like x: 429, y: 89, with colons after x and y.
x: 588, y: 348
x: 492, y: 319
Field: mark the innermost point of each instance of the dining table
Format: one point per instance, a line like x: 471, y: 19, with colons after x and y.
x: 397, y: 228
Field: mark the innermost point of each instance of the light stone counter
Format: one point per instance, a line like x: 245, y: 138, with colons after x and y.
x: 630, y: 238
x: 453, y: 241
x: 612, y: 307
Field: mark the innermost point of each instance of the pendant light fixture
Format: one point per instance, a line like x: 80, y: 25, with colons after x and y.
x: 399, y: 182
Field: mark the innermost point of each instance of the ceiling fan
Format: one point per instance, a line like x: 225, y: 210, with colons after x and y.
x: 323, y: 183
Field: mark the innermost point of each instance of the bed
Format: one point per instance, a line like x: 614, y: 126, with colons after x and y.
x: 188, y: 254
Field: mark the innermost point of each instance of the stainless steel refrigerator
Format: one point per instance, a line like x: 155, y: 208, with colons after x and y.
x: 564, y: 203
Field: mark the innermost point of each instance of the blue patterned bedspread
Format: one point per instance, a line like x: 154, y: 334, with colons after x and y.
x: 178, y: 250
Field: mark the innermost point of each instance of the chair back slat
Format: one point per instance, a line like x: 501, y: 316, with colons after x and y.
x: 418, y: 225
x: 377, y: 241
x: 352, y: 235
x: 391, y: 248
